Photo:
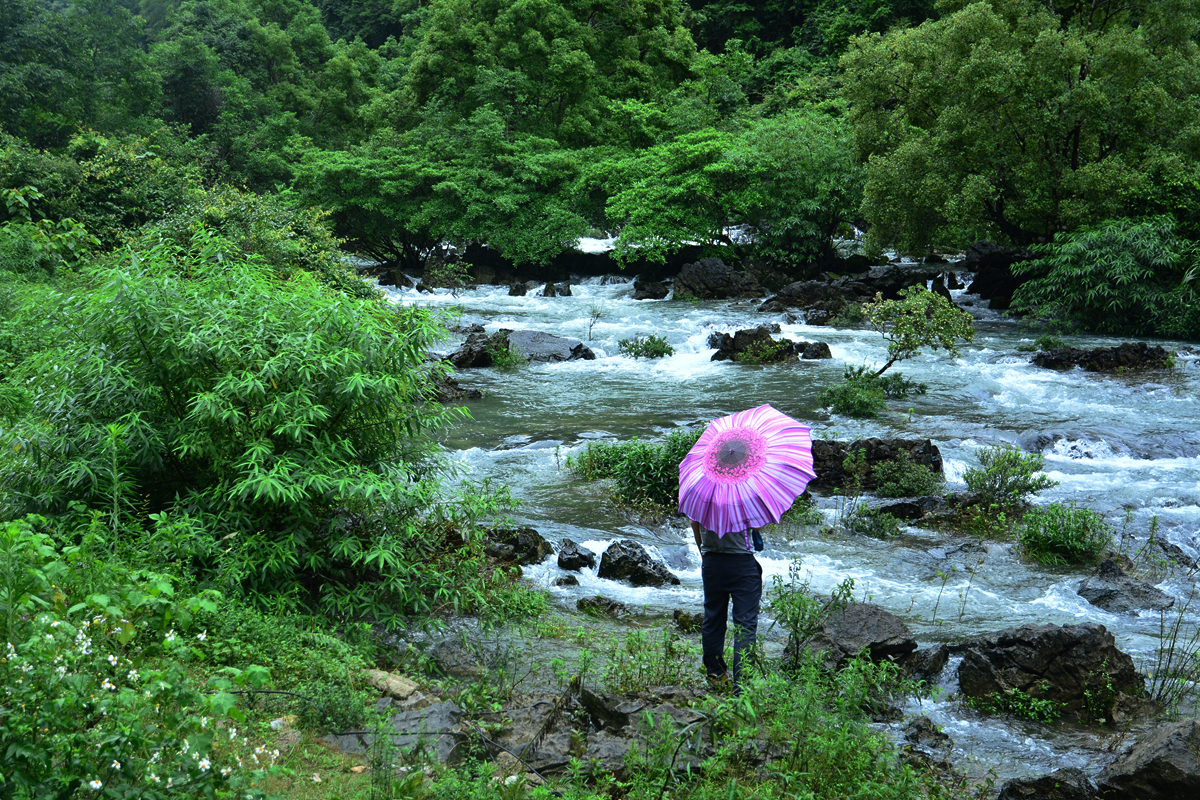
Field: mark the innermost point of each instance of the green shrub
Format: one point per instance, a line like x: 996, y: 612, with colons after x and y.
x: 640, y: 660
x: 1123, y: 277
x: 505, y: 354
x: 850, y: 315
x: 863, y: 393
x: 902, y: 477
x: 1018, y: 704
x: 1055, y: 535
x: 643, y: 473
x: 918, y: 319
x: 1007, y: 476
x: 764, y: 352
x: 872, y: 522
x: 646, y: 347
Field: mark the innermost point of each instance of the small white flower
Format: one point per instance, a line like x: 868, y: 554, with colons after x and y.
x: 55, y: 624
x: 112, y: 660
x: 202, y: 635
x: 154, y: 778
x: 171, y: 635
x: 95, y: 786
x: 205, y: 764
x: 132, y: 675
x: 232, y: 734
x: 225, y: 770
x: 26, y: 667
x: 115, y: 765
x: 204, y: 722
x: 186, y: 745
x: 61, y: 671
x: 170, y: 781
x: 316, y: 777
x: 50, y: 636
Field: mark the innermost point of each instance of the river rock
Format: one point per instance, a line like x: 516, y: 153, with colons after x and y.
x: 713, y: 279
x: 992, y: 264
x: 828, y: 455
x: 474, y: 352
x: 732, y: 348
x: 447, y: 389
x: 522, y: 545
x: 437, y: 730
x: 808, y: 294
x: 892, y: 279
x: 1111, y: 589
x: 650, y: 290
x: 686, y: 621
x: 573, y: 557
x: 1165, y: 764
x: 850, y: 630
x: 600, y: 606
x: 517, y: 289
x: 549, y: 290
x: 1124, y: 357
x: 1064, y: 784
x: 914, y: 508
x: 925, y: 664
x: 926, y: 745
x: 1052, y: 662
x: 626, y: 560
x: 566, y: 580
x: 815, y: 351
x: 546, y: 347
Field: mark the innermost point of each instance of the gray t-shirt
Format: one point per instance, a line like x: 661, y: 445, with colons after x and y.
x: 735, y: 542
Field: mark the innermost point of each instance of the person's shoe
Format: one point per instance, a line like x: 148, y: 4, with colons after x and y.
x: 720, y: 682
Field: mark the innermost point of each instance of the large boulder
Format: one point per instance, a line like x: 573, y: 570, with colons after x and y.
x: 733, y: 347
x: 574, y: 557
x: 436, y: 730
x: 536, y: 346
x: 829, y: 454
x: 713, y: 279
x: 650, y: 290
x: 474, y: 352
x: 1126, y: 356
x: 626, y: 560
x: 807, y: 294
x: 1163, y: 766
x: 1064, y: 784
x: 890, y: 280
x: 1064, y: 664
x: 601, y: 606
x: 520, y: 545
x: 1111, y: 589
x: 992, y: 265
x: 853, y: 629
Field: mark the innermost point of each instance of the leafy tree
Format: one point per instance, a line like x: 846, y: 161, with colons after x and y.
x: 1124, y: 277
x: 1017, y: 119
x: 919, y: 319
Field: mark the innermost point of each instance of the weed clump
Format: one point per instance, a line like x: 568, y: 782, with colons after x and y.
x: 903, y: 477
x: 863, y: 393
x: 1007, y: 476
x: 651, y: 346
x: 1056, y: 535
x: 645, y: 475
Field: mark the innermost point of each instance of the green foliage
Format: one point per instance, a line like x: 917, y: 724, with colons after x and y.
x: 640, y: 660
x: 919, y: 319
x: 799, y: 611
x: 764, y: 352
x: 505, y: 354
x: 104, y: 703
x: 1016, y: 119
x: 872, y: 522
x: 1043, y: 342
x: 1057, y: 535
x: 1122, y: 277
x: 1018, y: 704
x: 643, y: 473
x: 1007, y: 476
x: 902, y: 477
x: 863, y: 393
x: 651, y: 346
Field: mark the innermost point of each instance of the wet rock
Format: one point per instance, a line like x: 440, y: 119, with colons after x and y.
x: 828, y: 455
x: 650, y: 290
x: 447, y: 389
x: 600, y: 606
x: 757, y: 341
x: 626, y: 560
x: 925, y: 664
x: 713, y: 279
x: 939, y: 287
x: 517, y: 290
x: 474, y: 352
x: 890, y: 280
x: 424, y: 289
x: 573, y: 557
x: 436, y: 730
x: 1165, y: 764
x: 567, y: 580
x: 1063, y: 784
x: 546, y: 347
x: 808, y: 294
x: 522, y: 545
x: 992, y: 264
x: 549, y: 290
x: 1111, y: 589
x: 687, y: 622
x: 563, y: 289
x: 815, y: 350
x: 915, y: 508
x: 612, y: 711
x: 1127, y: 356
x: 926, y: 745
x: 1174, y: 553
x: 391, y: 275
x: 1059, y: 663
x: 856, y: 627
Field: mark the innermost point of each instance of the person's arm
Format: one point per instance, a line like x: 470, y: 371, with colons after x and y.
x: 696, y: 533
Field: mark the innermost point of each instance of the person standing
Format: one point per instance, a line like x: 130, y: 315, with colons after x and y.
x: 730, y: 573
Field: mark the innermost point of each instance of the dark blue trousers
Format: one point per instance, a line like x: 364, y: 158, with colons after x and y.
x: 736, y: 577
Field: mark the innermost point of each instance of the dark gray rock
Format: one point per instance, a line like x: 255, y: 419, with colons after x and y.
x: 853, y: 629
x: 915, y: 508
x: 1063, y: 784
x: 1060, y: 663
x: 926, y: 746
x: 517, y: 290
x: 1111, y: 589
x: 1165, y: 765
x: 600, y: 606
x: 563, y: 289
x: 522, y: 545
x: 1125, y: 357
x: 650, y: 290
x: 816, y: 350
x: 447, y: 389
x: 687, y: 622
x: 992, y: 264
x: 549, y: 290
x: 612, y: 711
x: 713, y: 279
x: 828, y: 455
x: 567, y: 580
x: 573, y: 557
x: 925, y: 664
x: 626, y: 560
x: 546, y: 347
x: 474, y: 352
x: 437, y: 731
x: 732, y: 348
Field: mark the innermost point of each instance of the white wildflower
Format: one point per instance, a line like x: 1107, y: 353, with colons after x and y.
x: 95, y: 786
x: 154, y: 778
x: 112, y: 659
x: 205, y: 764
x: 115, y: 764
x: 202, y: 635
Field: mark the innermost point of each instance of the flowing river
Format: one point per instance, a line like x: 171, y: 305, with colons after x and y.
x: 1127, y: 446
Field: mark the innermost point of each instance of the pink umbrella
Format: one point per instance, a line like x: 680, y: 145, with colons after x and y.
x: 745, y: 470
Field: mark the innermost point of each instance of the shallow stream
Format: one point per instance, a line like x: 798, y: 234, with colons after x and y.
x: 1128, y: 446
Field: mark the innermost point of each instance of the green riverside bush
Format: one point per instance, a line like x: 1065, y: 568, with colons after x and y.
x: 1057, y: 535
x: 904, y: 478
x: 643, y: 473
x: 651, y: 346
x: 1007, y: 476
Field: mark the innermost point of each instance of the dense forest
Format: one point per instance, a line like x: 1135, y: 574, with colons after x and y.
x: 218, y: 443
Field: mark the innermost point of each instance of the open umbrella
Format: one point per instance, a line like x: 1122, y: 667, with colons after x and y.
x: 745, y: 470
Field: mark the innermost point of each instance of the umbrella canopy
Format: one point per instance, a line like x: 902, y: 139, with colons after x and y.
x: 745, y: 470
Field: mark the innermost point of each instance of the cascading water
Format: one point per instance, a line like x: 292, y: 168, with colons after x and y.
x: 1127, y: 446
